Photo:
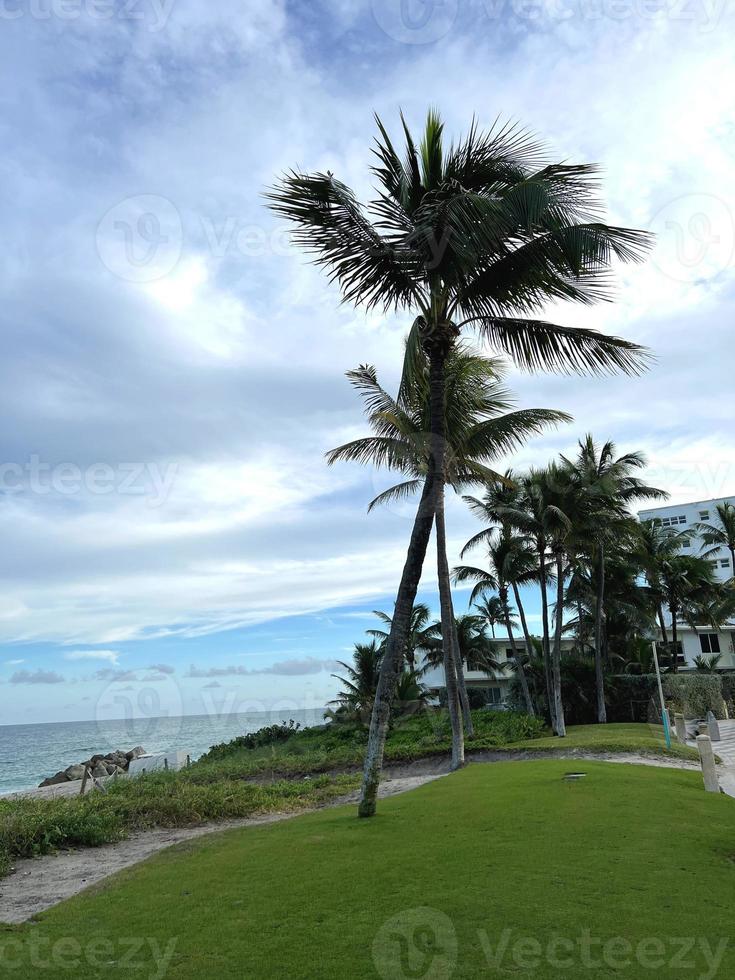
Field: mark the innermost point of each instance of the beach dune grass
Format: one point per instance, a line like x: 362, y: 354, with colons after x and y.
x: 497, y: 870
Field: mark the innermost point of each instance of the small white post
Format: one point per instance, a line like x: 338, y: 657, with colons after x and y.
x: 707, y: 759
x: 681, y: 728
x: 714, y: 728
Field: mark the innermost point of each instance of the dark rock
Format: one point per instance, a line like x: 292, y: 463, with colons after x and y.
x: 74, y: 772
x: 60, y: 777
x: 136, y: 753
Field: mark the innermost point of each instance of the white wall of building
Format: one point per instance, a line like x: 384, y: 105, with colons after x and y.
x: 684, y: 517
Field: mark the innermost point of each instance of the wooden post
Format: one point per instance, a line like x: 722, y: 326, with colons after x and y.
x: 681, y: 728
x: 707, y: 759
x: 714, y: 728
x: 85, y: 777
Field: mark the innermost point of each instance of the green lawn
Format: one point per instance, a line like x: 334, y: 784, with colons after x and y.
x: 610, y: 738
x: 627, y: 872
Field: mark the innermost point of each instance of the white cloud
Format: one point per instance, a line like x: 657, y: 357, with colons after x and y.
x: 110, y: 656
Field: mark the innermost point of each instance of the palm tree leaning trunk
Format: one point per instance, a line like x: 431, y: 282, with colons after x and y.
x: 561, y: 729
x: 464, y: 698
x: 449, y: 644
x: 520, y: 669
x: 599, y: 622
x: 546, y: 640
x: 524, y: 624
x: 395, y: 645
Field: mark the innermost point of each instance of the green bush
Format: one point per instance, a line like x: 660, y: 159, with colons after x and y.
x: 728, y: 692
x: 694, y: 694
x: 270, y: 735
x: 635, y: 697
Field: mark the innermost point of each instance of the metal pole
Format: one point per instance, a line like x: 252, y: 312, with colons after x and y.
x: 664, y: 712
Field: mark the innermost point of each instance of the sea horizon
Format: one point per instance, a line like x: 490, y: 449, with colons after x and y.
x: 30, y: 752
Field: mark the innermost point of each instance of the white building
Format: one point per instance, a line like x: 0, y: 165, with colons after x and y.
x: 684, y: 517
x: 496, y: 683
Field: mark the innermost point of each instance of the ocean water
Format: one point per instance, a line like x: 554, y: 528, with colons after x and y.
x: 30, y: 753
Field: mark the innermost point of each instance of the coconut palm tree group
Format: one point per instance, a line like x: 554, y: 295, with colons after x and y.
x: 482, y: 235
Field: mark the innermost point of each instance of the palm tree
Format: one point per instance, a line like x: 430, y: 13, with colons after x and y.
x: 481, y: 234
x: 511, y: 563
x: 421, y: 631
x: 355, y: 701
x: 654, y: 548
x: 606, y: 487
x: 689, y: 585
x: 490, y: 608
x: 708, y: 665
x: 478, y: 429
x: 474, y: 646
x: 720, y: 536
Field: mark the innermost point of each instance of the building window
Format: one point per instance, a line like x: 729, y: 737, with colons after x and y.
x: 673, y: 521
x: 709, y: 642
x: 509, y: 655
x: 724, y: 562
x: 704, y: 515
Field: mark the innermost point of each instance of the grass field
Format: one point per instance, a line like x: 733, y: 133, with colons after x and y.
x: 498, y: 870
x: 234, y: 781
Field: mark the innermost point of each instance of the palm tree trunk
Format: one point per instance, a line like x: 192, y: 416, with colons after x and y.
x: 662, y: 624
x: 394, y: 647
x: 674, y: 642
x: 519, y: 666
x: 464, y: 697
x: 541, y: 544
x: 451, y: 667
x: 561, y: 730
x: 599, y: 608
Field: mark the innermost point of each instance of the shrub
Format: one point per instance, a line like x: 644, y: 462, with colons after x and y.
x: 635, y: 697
x: 728, y: 692
x: 270, y: 735
x: 694, y: 694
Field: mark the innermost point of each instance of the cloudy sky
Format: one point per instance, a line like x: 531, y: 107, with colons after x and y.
x: 173, y: 370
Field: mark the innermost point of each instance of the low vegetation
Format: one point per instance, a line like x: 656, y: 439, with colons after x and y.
x: 512, y: 889
x: 334, y: 746
x: 32, y: 826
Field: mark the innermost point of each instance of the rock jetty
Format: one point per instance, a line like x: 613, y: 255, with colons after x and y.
x: 99, y: 766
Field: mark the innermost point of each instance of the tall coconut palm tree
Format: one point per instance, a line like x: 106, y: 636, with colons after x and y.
x: 480, y: 234
x: 605, y: 488
x: 720, y: 535
x: 511, y: 563
x: 479, y: 427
